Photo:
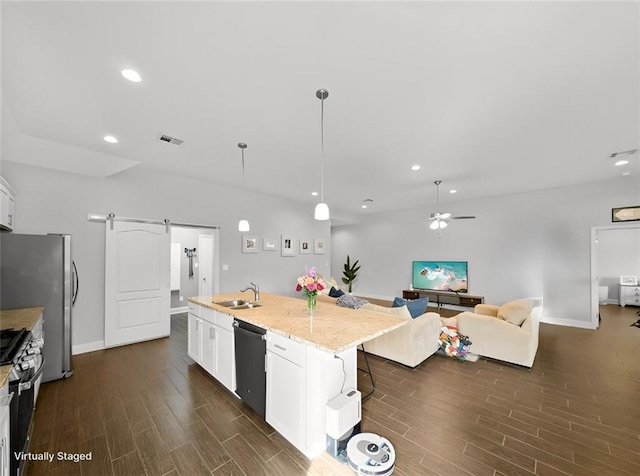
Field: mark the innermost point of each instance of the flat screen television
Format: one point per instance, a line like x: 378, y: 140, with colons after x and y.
x: 440, y: 276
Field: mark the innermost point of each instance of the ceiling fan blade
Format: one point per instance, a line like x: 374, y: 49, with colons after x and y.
x: 445, y: 216
x: 463, y: 218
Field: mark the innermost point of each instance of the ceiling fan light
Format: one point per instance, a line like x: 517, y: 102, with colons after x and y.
x: 321, y: 212
x: 443, y: 224
x: 434, y: 225
x: 243, y: 225
x: 445, y: 215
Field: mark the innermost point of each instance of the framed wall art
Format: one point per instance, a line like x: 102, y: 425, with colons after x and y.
x: 625, y: 214
x: 269, y: 244
x: 305, y: 246
x: 318, y: 246
x: 249, y: 244
x: 286, y: 245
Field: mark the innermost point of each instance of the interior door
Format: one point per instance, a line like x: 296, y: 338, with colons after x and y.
x: 205, y: 242
x: 137, y: 277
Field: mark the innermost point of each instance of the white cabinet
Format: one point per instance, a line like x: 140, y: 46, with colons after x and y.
x: 211, y: 344
x: 5, y: 401
x: 629, y: 295
x: 7, y: 205
x: 285, y: 411
x: 194, y: 344
x: 300, y: 382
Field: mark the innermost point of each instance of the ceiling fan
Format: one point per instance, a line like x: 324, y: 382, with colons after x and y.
x: 439, y: 219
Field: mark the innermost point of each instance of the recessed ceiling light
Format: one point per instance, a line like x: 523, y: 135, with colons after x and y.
x: 626, y: 174
x: 415, y: 167
x: 364, y: 206
x: 110, y: 139
x: 314, y: 194
x: 621, y: 162
x: 131, y: 75
x: 453, y: 191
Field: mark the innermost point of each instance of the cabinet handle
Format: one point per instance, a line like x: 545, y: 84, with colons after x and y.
x: 212, y: 333
x: 280, y: 347
x: 10, y: 217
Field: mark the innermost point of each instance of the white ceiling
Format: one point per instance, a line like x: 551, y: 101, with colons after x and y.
x: 491, y: 98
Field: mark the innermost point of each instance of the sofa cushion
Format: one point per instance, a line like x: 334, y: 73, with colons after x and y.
x: 400, y: 311
x: 416, y: 307
x: 516, y: 311
x: 335, y: 293
x: 350, y: 301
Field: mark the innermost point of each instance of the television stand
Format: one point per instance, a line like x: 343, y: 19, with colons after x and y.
x: 444, y: 297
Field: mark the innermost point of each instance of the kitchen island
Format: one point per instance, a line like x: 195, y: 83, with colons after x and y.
x: 309, y: 360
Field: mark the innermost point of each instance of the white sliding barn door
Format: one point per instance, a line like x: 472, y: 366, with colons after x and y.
x: 137, y: 276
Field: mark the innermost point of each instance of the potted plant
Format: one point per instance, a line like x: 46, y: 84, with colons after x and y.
x: 350, y: 272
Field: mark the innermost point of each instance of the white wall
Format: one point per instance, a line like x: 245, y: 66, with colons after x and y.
x: 529, y: 244
x: 618, y: 254
x: 57, y: 202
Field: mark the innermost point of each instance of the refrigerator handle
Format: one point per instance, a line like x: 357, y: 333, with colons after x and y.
x: 76, y: 283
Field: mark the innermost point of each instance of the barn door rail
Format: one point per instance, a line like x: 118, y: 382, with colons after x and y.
x: 111, y: 217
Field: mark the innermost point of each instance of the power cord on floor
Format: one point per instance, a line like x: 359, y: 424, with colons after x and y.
x: 344, y: 373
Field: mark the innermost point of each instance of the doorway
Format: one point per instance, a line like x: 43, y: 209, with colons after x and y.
x: 194, y: 265
x: 596, y: 276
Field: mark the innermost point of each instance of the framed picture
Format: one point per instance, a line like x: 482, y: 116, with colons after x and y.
x: 286, y: 245
x: 249, y: 244
x: 318, y: 246
x: 625, y: 214
x: 305, y: 246
x: 269, y: 244
x: 629, y: 280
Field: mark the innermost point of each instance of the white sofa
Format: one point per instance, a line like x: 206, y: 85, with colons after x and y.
x: 408, y: 345
x: 508, y: 332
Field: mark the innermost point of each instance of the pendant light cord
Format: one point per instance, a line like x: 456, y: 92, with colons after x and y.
x: 243, y: 189
x: 322, y: 148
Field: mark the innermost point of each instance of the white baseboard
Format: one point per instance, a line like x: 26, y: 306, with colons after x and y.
x: 179, y: 310
x: 88, y: 347
x: 568, y: 323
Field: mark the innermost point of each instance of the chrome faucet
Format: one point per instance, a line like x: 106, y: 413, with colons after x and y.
x: 256, y: 291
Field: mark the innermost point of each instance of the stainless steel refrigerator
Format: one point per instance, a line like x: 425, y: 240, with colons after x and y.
x: 37, y: 270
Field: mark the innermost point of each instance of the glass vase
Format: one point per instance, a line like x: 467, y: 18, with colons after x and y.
x: 311, y: 304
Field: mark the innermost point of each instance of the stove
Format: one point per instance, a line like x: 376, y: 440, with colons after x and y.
x: 23, y: 352
x: 11, y: 342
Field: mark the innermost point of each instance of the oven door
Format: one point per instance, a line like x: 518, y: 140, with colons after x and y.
x: 22, y: 407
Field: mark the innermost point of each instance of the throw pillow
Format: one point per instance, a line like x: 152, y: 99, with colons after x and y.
x: 516, y: 311
x: 350, y: 301
x: 416, y: 307
x: 401, y: 311
x: 336, y: 293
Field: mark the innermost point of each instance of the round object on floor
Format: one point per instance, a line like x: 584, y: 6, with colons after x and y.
x: 370, y: 454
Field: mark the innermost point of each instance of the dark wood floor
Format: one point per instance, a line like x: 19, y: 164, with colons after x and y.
x: 148, y: 409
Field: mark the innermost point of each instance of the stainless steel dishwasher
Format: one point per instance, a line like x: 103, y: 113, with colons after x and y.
x: 251, y: 377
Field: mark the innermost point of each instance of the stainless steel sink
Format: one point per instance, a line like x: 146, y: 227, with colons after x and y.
x: 238, y: 304
x: 232, y: 303
x: 247, y: 305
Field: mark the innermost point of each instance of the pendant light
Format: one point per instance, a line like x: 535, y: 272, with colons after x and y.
x: 243, y: 225
x: 322, y: 209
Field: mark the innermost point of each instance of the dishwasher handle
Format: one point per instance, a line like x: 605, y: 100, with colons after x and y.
x: 248, y: 333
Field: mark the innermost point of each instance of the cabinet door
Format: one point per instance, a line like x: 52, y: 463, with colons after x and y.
x: 6, y: 209
x: 285, y: 398
x: 194, y: 332
x: 4, y: 438
x: 209, y: 344
x: 226, y: 358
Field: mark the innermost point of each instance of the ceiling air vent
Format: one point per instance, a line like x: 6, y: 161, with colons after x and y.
x: 171, y: 140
